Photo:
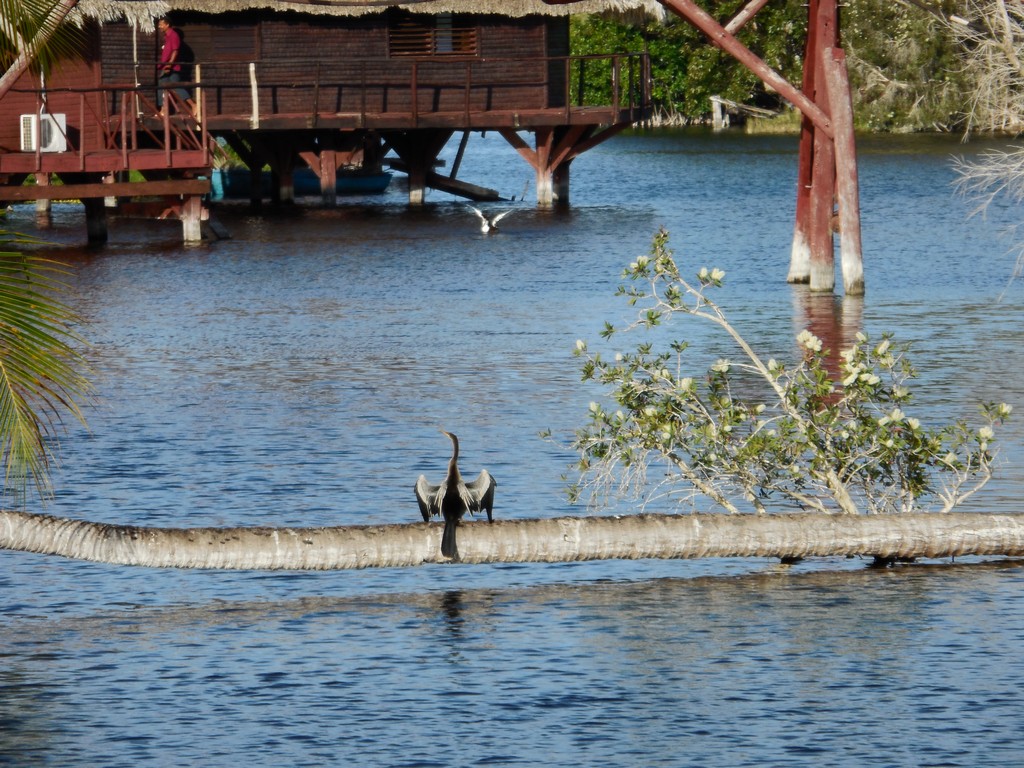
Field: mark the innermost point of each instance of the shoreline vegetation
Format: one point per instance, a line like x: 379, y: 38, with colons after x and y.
x: 913, y: 67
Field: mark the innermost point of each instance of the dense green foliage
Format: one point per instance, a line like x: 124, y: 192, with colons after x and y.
x: 904, y: 66
x: 686, y: 71
x: 903, y: 61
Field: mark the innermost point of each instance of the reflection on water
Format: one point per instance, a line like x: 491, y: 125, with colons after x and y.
x: 836, y: 320
x: 778, y: 666
x: 298, y: 373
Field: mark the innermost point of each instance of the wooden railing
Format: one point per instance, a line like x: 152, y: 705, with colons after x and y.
x: 122, y: 120
x: 404, y: 92
x: 416, y: 87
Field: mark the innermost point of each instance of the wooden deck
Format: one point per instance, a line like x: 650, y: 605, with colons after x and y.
x: 409, y: 107
x: 114, y: 129
x: 103, y: 161
x: 108, y: 143
x: 409, y: 94
x: 403, y: 121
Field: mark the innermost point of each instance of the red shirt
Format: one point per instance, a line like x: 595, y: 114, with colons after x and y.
x: 171, y: 49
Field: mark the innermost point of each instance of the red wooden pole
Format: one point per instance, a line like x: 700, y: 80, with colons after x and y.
x: 328, y: 173
x: 746, y: 14
x: 718, y: 36
x: 847, y: 195
x: 822, y: 27
x: 800, y: 254
x: 819, y: 220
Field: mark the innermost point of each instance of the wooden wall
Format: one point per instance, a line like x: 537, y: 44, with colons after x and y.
x: 342, y: 64
x: 347, y: 56
x: 73, y: 74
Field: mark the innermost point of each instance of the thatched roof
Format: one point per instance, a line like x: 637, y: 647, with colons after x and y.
x: 144, y: 12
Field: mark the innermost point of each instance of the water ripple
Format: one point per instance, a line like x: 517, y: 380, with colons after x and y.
x: 259, y: 381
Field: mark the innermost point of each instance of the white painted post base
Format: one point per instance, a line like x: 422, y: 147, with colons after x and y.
x: 799, y: 259
x: 553, y: 187
x: 191, y: 220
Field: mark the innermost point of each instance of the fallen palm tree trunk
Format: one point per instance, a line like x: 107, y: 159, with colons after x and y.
x: 563, y: 539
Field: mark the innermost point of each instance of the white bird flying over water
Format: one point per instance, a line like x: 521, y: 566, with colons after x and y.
x: 489, y: 224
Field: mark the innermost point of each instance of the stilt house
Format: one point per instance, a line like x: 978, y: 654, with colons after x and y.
x: 333, y: 84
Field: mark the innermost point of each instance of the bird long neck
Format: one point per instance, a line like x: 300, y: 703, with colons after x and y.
x: 453, y: 463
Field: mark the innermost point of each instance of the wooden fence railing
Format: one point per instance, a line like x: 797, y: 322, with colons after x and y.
x: 414, y: 87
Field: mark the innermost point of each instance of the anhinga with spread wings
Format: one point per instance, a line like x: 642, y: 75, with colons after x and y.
x: 454, y: 497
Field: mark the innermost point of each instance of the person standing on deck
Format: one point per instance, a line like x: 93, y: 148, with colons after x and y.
x: 169, y: 67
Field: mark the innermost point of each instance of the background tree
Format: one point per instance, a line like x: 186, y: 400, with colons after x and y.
x: 905, y: 71
x: 686, y: 70
x: 990, y: 34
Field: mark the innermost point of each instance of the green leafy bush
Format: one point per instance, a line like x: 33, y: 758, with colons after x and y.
x: 751, y: 431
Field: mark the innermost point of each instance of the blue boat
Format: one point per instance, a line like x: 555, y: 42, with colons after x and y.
x: 233, y: 183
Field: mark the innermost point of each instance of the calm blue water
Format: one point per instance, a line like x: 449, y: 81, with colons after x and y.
x: 298, y: 373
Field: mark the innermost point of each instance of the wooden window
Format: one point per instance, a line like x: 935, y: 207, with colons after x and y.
x: 443, y: 35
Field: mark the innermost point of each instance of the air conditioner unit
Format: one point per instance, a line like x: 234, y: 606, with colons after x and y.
x: 48, y: 133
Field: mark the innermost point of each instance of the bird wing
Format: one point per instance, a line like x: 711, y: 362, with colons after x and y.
x: 426, y: 497
x: 480, y: 494
x: 479, y: 213
x: 501, y: 216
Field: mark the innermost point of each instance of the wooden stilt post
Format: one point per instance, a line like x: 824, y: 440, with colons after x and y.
x: 282, y: 169
x: 819, y: 218
x: 847, y: 194
x: 556, y: 148
x: 457, y: 163
x: 329, y: 176
x: 254, y: 158
x: 95, y: 220
x: 560, y: 184
x: 544, y: 138
x: 417, y: 179
x: 418, y: 151
x: 192, y: 219
x: 280, y: 155
x: 822, y: 37
x: 372, y: 153
x: 719, y: 115
x: 255, y: 187
x: 800, y: 254
x: 552, y: 186
x: 43, y: 207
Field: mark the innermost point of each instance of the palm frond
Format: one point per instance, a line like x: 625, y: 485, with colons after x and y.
x: 42, y: 369
x: 37, y: 28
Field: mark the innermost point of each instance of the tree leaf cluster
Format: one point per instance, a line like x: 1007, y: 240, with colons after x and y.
x: 749, y: 432
x: 906, y: 72
x: 686, y: 70
x: 904, y: 62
